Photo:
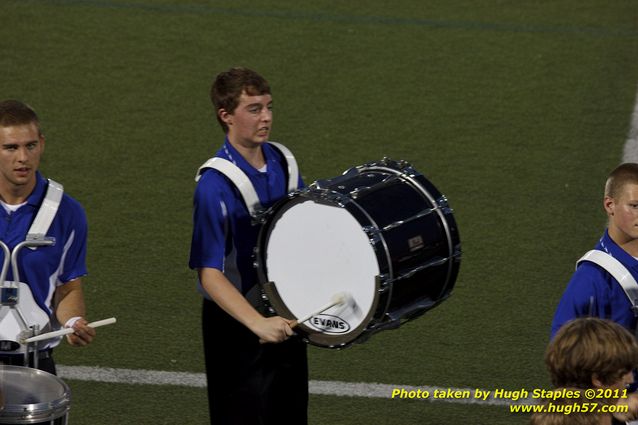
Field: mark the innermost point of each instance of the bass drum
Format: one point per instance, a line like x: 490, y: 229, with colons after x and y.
x: 381, y: 232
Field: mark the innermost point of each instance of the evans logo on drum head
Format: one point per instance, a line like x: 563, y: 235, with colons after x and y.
x: 329, y: 324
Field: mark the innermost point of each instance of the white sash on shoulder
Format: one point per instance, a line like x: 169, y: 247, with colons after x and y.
x: 46, y: 213
x: 239, y: 179
x: 618, y: 271
x: 242, y: 182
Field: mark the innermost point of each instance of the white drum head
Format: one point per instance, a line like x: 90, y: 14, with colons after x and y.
x: 315, y: 251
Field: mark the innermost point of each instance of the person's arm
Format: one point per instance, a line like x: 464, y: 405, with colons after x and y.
x: 69, y: 303
x: 224, y: 293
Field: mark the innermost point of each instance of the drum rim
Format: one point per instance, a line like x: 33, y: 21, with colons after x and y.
x: 271, y: 293
x: 31, y: 413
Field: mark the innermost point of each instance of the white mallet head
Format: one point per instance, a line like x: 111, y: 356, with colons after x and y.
x: 344, y: 300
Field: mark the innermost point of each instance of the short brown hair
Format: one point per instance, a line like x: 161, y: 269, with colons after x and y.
x: 588, y: 347
x: 14, y: 112
x: 622, y: 175
x: 229, y: 85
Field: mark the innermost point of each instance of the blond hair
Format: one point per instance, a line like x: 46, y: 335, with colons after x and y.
x: 622, y: 175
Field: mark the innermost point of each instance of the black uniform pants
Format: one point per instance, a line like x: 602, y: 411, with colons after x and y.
x: 45, y: 360
x: 251, y: 383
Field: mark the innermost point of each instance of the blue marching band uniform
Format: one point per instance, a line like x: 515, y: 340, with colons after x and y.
x: 603, y: 285
x: 54, y: 227
x: 248, y: 382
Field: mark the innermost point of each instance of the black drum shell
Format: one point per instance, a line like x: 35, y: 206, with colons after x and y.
x: 411, y: 229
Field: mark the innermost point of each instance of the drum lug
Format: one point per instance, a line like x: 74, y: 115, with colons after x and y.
x: 267, y: 293
x: 374, y: 234
x: 372, y: 231
x: 355, y: 193
x: 400, y: 164
x: 382, y: 283
x: 443, y: 205
x: 259, y: 216
x: 330, y: 197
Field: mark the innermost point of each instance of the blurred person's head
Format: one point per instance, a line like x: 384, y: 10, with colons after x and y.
x: 591, y: 352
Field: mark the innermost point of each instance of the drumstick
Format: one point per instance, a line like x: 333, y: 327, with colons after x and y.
x: 67, y: 331
x: 339, y: 298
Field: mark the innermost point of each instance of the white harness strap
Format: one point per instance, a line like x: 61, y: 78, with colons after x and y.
x: 17, y: 318
x: 46, y: 213
x: 618, y: 271
x: 293, y: 168
x: 242, y: 182
x: 239, y: 179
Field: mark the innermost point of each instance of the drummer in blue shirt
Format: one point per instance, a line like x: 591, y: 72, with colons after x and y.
x: 52, y: 273
x: 256, y: 373
x: 593, y: 290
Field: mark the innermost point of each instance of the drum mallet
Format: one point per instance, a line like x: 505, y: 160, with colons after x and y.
x: 339, y: 299
x: 67, y: 331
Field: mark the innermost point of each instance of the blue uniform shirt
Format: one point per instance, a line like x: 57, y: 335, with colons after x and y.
x: 223, y: 236
x: 592, y: 291
x: 47, y: 267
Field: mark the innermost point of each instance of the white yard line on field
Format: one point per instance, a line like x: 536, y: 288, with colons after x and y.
x: 333, y: 388
x: 630, y: 152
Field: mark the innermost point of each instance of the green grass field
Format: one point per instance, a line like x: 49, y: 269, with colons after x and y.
x: 514, y: 110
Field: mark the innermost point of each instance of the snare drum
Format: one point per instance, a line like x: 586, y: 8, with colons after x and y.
x: 381, y: 232
x: 32, y: 396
